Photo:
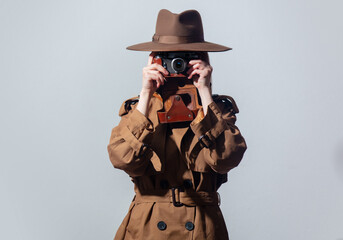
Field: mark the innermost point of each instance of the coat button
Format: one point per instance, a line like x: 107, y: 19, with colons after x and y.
x: 164, y: 184
x: 161, y: 225
x: 187, y: 183
x: 189, y: 226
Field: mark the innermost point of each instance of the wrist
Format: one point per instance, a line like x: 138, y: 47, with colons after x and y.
x: 205, y: 91
x: 143, y: 103
x: 145, y: 93
x: 206, y: 97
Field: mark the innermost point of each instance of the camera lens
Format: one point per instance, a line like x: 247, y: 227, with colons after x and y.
x: 178, y: 65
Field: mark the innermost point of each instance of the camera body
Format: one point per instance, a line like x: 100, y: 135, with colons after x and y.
x: 176, y: 63
x: 180, y: 96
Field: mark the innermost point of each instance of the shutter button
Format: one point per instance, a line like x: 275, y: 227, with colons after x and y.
x: 189, y: 226
x: 162, y: 225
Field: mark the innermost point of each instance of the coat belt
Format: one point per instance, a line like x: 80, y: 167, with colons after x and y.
x: 179, y: 198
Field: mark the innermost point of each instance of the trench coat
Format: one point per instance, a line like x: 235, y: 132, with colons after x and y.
x: 176, y: 169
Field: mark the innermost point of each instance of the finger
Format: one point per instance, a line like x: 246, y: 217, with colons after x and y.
x: 191, y: 69
x: 194, y: 61
x: 157, y: 76
x: 159, y: 68
x: 153, y: 78
x: 156, y: 72
x: 161, y: 78
x: 195, y: 72
x: 196, y: 66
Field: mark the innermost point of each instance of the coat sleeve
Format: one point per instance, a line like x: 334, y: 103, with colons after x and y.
x: 129, y: 144
x: 221, y: 143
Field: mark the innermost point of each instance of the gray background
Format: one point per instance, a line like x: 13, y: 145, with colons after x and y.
x: 64, y: 72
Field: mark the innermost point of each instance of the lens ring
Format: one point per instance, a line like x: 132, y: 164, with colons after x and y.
x: 178, y: 65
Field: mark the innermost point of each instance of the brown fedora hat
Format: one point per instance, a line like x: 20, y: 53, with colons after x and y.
x: 179, y: 32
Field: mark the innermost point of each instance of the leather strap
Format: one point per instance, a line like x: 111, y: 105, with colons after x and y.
x: 169, y: 118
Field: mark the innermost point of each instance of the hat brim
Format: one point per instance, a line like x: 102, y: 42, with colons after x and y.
x: 195, y: 46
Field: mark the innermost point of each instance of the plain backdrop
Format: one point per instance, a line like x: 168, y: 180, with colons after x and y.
x: 64, y: 73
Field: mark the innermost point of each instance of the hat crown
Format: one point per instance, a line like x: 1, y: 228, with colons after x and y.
x: 185, y: 24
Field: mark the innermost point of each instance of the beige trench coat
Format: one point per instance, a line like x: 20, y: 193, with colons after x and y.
x: 176, y: 175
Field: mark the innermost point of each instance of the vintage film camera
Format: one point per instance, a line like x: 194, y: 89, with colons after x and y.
x: 180, y: 96
x: 176, y: 62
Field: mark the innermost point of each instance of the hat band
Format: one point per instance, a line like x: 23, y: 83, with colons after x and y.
x: 177, y: 39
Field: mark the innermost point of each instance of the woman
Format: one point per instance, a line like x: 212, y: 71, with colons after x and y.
x: 178, y: 167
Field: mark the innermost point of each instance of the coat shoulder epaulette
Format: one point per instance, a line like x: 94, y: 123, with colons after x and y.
x: 228, y: 101
x: 127, y: 105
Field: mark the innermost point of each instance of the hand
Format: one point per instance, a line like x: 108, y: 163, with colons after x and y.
x: 153, y: 76
x: 201, y: 72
